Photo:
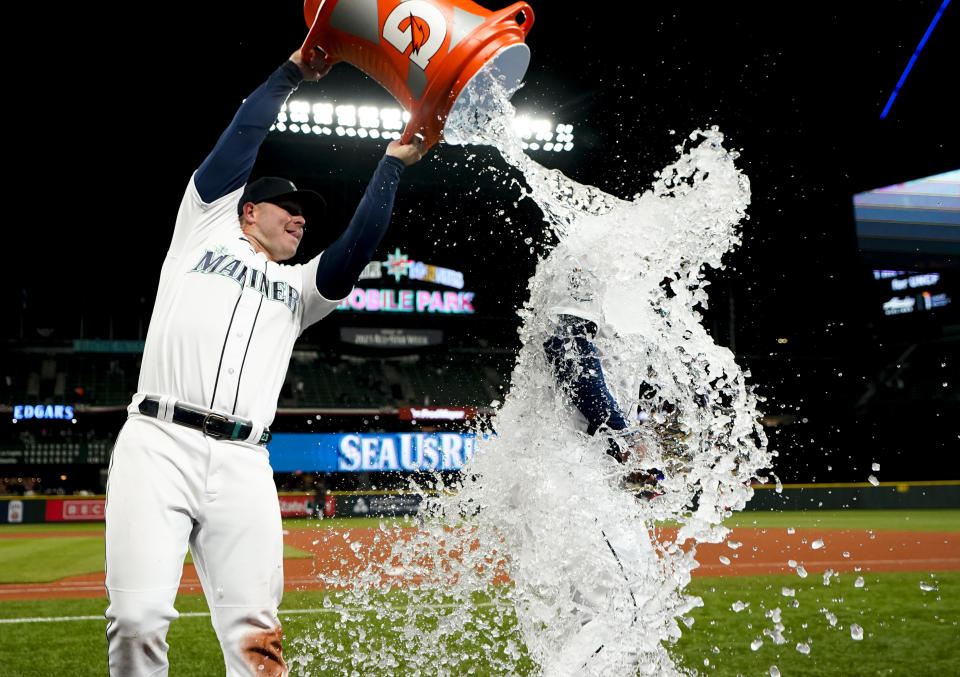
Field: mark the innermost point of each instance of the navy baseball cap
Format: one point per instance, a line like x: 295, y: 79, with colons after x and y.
x: 275, y: 190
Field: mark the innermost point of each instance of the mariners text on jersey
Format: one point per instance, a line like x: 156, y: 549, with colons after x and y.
x: 221, y: 262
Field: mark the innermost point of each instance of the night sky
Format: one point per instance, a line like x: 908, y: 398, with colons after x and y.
x: 115, y: 119
x: 109, y: 142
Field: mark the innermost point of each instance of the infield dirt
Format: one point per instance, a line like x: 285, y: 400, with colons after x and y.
x: 760, y: 551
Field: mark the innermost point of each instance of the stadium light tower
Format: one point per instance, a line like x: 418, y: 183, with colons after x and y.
x: 338, y: 119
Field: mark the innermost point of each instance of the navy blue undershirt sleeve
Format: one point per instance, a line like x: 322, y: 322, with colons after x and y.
x: 577, y: 368
x: 230, y: 162
x: 342, y: 262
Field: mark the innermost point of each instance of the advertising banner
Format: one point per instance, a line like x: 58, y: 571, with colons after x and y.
x: 297, y: 506
x: 16, y: 510
x: 370, y: 452
x: 377, y: 505
x: 436, y: 413
x: 76, y: 510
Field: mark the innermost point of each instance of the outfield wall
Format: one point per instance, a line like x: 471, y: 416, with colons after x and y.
x: 42, y: 509
x: 839, y: 496
x: 857, y: 496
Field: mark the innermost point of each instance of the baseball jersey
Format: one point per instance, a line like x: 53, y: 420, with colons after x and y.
x: 225, y: 318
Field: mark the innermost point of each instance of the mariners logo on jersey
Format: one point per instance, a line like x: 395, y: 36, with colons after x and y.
x: 221, y: 262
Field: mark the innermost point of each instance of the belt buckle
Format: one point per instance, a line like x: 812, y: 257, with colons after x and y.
x: 213, y: 417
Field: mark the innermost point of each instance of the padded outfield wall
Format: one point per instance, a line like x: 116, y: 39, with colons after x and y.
x: 828, y: 496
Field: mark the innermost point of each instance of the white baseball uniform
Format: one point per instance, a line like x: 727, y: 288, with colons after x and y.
x: 220, y: 338
x: 189, y: 467
x: 606, y: 599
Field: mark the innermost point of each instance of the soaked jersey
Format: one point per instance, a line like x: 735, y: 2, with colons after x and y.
x: 226, y: 317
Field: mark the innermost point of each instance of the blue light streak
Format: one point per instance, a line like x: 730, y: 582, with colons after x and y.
x: 916, y: 53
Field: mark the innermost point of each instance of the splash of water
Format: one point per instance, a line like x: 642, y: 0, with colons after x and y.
x: 542, y: 505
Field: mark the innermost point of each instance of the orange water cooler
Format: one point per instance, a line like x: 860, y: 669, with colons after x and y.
x: 424, y: 52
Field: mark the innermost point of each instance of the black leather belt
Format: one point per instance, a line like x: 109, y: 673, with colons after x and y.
x: 214, y: 425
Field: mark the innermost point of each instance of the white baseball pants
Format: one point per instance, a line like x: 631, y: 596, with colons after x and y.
x: 608, y: 600
x: 170, y: 487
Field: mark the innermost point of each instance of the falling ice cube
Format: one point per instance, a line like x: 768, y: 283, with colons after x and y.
x: 875, y: 467
x: 873, y: 480
x: 831, y: 618
x: 787, y: 592
x: 856, y: 632
x: 791, y: 530
x: 926, y: 586
x: 724, y: 560
x: 739, y: 606
x: 859, y: 582
x: 774, y: 671
x: 801, y: 572
x: 826, y: 576
x: 792, y: 563
x: 803, y: 647
x: 756, y: 644
x: 817, y: 544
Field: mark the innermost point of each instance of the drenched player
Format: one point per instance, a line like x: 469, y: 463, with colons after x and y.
x: 190, y: 466
x: 571, y: 350
x: 576, y: 317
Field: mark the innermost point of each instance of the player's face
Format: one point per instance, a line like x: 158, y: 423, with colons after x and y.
x: 277, y: 229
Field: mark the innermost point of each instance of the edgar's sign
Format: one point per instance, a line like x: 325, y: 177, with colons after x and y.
x: 417, y: 23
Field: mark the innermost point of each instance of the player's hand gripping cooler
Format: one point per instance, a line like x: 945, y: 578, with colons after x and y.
x: 424, y: 52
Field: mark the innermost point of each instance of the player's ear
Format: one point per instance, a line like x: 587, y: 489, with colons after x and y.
x: 247, y: 215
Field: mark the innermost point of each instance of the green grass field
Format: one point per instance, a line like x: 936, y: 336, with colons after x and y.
x: 877, y: 520
x: 907, y: 629
x: 40, y: 560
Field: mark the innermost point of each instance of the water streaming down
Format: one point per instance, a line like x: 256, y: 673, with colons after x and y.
x: 592, y: 589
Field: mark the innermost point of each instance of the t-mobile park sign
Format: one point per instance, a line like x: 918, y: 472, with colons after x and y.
x: 370, y: 452
x: 390, y: 300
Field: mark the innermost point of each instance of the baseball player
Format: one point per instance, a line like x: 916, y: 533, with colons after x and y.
x: 577, y: 315
x: 190, y: 467
x: 575, y: 309
x: 573, y: 306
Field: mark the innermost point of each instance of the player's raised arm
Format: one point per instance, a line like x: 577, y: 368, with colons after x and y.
x: 342, y: 262
x: 577, y: 367
x: 229, y: 164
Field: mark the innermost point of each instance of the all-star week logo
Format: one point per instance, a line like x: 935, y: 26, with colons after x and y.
x: 399, y: 265
x: 219, y: 261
